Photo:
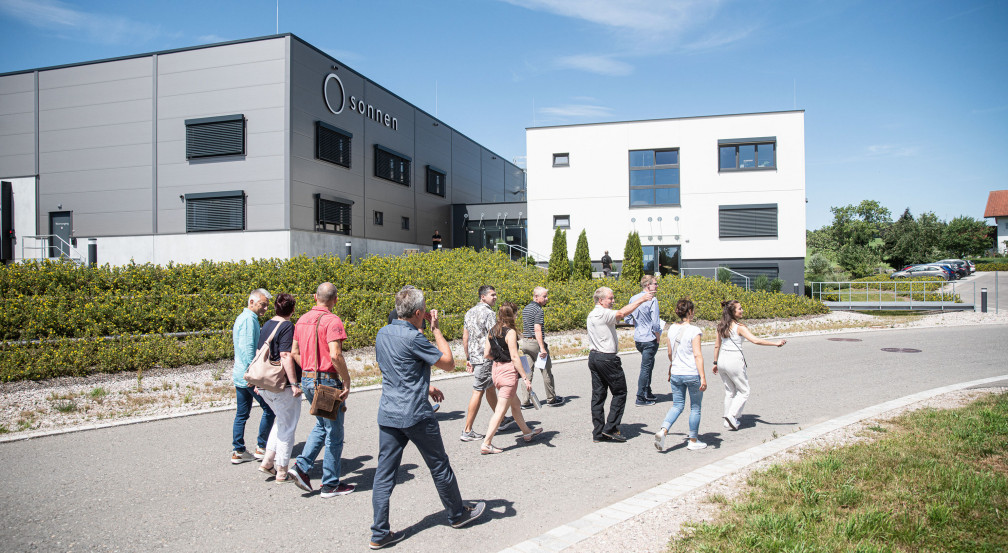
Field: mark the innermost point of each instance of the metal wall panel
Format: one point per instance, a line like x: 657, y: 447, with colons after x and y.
x: 433, y: 147
x: 465, y: 170
x: 95, y: 153
x: 492, y: 185
x: 17, y: 125
x: 245, y: 78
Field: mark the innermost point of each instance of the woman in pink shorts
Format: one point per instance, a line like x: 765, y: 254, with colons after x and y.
x: 502, y: 347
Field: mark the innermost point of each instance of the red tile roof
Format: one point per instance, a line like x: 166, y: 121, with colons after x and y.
x: 997, y: 204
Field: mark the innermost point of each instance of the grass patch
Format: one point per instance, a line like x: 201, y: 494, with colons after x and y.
x: 934, y: 481
x: 64, y: 405
x: 97, y: 393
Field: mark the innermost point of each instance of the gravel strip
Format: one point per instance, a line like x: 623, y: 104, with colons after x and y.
x: 33, y: 407
x: 651, y: 531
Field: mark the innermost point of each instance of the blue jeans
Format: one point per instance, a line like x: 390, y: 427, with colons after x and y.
x: 245, y: 397
x: 426, y: 436
x: 680, y: 385
x: 327, y: 433
x: 647, y: 351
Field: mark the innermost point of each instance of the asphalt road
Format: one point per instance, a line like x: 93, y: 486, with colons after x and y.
x: 169, y: 484
x: 997, y: 290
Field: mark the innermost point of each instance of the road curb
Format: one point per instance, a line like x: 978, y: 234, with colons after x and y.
x: 592, y: 524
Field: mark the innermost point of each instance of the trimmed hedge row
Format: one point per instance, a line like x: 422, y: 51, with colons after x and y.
x: 70, y: 308
x: 1000, y: 266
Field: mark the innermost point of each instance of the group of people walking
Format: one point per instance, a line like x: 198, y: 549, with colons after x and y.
x: 502, y: 363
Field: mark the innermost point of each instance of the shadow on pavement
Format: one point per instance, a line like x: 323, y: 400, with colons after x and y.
x: 750, y: 421
x: 443, y: 416
x: 495, y: 509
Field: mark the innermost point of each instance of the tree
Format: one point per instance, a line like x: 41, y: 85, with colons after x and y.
x: 857, y: 231
x: 559, y: 264
x: 633, y: 259
x: 965, y: 236
x: 820, y: 240
x: 582, y: 259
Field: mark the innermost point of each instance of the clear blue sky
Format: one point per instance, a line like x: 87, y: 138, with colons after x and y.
x: 905, y: 101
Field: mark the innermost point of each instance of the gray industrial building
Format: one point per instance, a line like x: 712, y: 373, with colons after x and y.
x: 265, y: 147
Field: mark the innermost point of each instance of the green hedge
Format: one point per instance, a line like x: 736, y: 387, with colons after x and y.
x: 1000, y: 266
x: 71, y: 309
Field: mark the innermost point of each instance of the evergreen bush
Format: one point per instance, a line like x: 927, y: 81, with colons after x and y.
x: 633, y: 259
x: 582, y: 259
x: 559, y: 264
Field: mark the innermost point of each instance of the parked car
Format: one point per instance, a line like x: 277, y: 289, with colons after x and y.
x: 972, y: 267
x: 950, y: 271
x: 914, y: 271
x: 960, y: 266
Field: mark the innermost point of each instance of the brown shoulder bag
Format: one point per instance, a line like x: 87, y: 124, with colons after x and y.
x: 326, y: 402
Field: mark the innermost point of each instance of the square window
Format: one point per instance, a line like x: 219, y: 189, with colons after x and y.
x: 435, y: 181
x: 561, y: 160
x: 561, y: 221
x: 332, y: 215
x: 332, y: 144
x: 392, y: 166
x: 379, y: 218
x: 654, y: 177
x: 405, y: 223
x: 215, y: 136
x: 727, y: 157
x: 215, y: 211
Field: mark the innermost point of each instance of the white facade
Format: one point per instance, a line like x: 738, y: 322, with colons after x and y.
x: 594, y: 189
x: 1002, y: 234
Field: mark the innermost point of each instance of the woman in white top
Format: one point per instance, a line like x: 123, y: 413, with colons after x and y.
x: 730, y: 363
x: 686, y: 375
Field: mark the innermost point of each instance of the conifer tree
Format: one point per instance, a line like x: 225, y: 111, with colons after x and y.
x: 559, y: 264
x: 633, y: 259
x: 582, y: 259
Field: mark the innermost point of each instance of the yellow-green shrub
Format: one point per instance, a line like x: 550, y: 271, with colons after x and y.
x: 70, y: 308
x: 992, y: 266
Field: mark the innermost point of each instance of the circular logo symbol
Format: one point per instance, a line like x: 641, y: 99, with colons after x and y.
x: 332, y: 91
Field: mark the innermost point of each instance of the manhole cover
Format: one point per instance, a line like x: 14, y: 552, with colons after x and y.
x: 901, y: 350
x: 844, y: 339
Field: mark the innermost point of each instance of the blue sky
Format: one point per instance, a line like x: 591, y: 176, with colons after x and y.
x: 905, y: 101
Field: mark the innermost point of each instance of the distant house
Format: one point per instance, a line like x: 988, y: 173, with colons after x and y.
x: 997, y: 207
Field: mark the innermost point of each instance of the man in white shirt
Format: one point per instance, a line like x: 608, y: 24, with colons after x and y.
x: 605, y: 365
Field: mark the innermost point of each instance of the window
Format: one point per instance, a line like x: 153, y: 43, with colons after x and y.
x: 379, y: 218
x: 561, y: 221
x: 392, y: 166
x: 215, y: 211
x: 747, y: 154
x: 436, y: 181
x: 215, y: 136
x: 332, y: 144
x: 405, y: 223
x: 747, y: 221
x: 561, y: 160
x: 771, y: 272
x: 654, y: 177
x: 332, y: 215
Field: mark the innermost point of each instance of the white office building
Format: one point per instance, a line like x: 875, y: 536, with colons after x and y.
x: 702, y: 192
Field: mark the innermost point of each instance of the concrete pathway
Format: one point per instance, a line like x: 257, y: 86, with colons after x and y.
x: 168, y: 484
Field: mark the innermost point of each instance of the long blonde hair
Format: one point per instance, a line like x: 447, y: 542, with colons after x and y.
x: 505, y: 320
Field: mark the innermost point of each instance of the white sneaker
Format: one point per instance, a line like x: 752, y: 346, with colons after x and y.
x: 725, y: 424
x: 732, y: 422
x: 240, y: 457
x: 659, y: 441
x: 696, y: 445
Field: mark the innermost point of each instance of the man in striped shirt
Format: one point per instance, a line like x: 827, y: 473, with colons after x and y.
x: 534, y: 345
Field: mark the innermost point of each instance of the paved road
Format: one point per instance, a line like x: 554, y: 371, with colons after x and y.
x: 168, y: 484
x: 997, y: 290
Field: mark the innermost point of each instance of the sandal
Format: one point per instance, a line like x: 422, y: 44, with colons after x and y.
x: 528, y: 437
x: 490, y: 449
x: 268, y: 470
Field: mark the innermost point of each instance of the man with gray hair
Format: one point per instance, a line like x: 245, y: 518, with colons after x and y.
x: 245, y: 336
x: 405, y: 357
x: 533, y: 344
x: 318, y: 348
x: 605, y: 365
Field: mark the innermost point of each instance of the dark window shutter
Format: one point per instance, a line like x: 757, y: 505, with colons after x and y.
x: 215, y: 136
x: 332, y: 144
x: 332, y: 216
x: 392, y: 167
x: 215, y: 211
x: 747, y: 222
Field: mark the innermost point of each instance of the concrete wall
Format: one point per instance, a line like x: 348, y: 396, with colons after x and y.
x: 17, y: 125
x: 594, y: 189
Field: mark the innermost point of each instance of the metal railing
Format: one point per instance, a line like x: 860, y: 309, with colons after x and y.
x: 46, y: 243
x: 899, y: 294
x: 525, y: 252
x: 682, y: 273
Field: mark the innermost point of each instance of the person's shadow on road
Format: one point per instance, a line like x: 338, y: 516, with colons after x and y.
x: 495, y: 509
x: 455, y: 415
x: 750, y: 421
x: 364, y: 480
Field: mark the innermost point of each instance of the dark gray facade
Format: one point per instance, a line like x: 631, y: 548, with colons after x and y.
x: 107, y: 142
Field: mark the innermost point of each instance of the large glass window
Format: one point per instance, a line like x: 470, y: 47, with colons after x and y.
x: 747, y: 154
x: 654, y: 177
x: 661, y: 260
x: 392, y: 166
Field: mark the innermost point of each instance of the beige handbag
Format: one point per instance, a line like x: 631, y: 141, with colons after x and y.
x: 263, y: 373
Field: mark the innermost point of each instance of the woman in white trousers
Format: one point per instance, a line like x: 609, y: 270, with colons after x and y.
x: 287, y: 402
x: 730, y: 363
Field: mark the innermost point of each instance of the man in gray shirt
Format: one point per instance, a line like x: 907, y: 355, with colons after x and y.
x: 534, y: 345
x: 605, y: 365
